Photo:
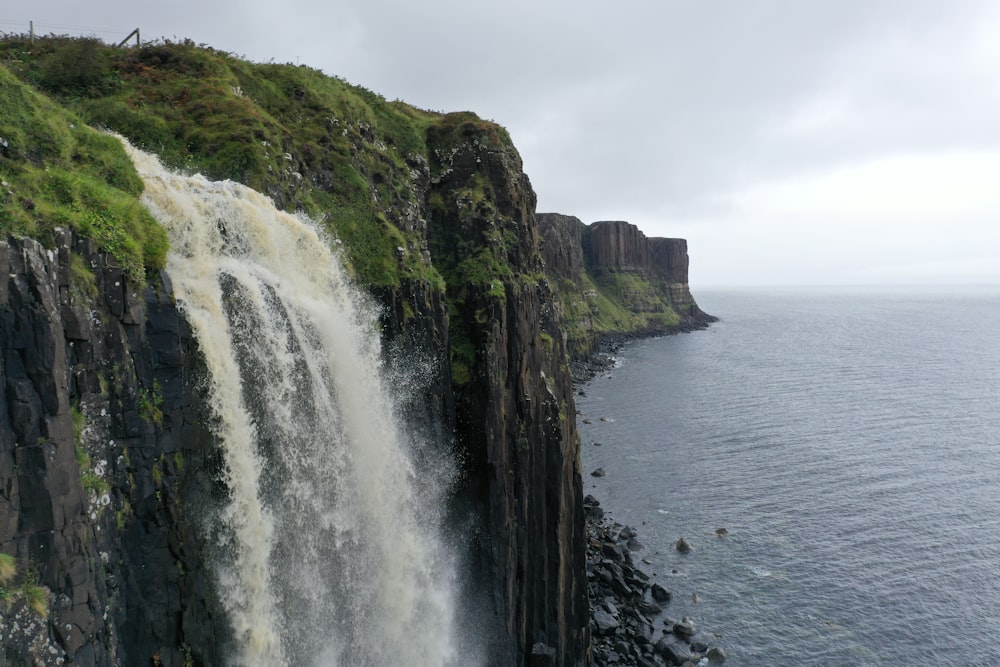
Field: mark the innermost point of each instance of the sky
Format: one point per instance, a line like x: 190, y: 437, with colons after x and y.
x: 792, y: 142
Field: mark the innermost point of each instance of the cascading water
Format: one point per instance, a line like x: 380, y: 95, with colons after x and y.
x: 328, y: 549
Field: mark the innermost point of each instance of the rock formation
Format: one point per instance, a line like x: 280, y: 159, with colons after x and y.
x: 102, y: 458
x: 614, y: 281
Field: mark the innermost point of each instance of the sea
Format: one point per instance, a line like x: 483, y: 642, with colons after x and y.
x: 847, y: 440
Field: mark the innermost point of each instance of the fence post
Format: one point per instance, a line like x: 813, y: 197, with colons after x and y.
x: 134, y: 32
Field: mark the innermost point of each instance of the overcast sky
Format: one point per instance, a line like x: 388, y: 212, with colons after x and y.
x: 790, y: 141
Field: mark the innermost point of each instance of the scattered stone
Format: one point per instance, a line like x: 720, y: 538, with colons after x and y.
x: 685, y: 628
x: 627, y: 623
x: 598, y: 473
x: 683, y: 546
x: 721, y: 532
x: 612, y: 551
x: 649, y: 608
x: 606, y: 623
x: 587, y: 421
x: 716, y: 654
x: 695, y: 599
x: 673, y: 652
x: 634, y: 545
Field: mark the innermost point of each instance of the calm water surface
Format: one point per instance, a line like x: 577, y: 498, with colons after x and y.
x: 849, y: 441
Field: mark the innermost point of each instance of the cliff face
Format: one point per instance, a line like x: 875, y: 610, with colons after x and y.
x: 102, y: 453
x: 437, y: 220
x: 615, y: 281
x: 515, y: 416
x: 617, y: 245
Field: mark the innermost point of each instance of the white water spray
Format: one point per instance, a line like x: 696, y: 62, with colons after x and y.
x: 327, y: 551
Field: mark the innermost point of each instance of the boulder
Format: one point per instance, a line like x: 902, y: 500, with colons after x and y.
x: 673, y: 652
x: 716, y: 654
x: 685, y: 628
x: 606, y: 623
x: 649, y: 608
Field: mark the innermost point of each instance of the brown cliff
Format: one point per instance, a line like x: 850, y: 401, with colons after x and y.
x: 614, y: 281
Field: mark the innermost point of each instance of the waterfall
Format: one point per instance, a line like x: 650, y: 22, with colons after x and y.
x: 328, y: 548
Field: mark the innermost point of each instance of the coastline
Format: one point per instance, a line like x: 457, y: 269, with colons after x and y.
x: 600, y: 358
x: 630, y: 622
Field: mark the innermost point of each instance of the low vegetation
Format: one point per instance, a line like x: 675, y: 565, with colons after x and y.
x: 34, y: 595
x: 341, y: 154
x: 55, y: 171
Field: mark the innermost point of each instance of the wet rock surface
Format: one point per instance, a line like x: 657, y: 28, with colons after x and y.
x: 627, y: 622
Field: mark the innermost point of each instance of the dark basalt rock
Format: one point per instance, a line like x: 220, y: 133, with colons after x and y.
x: 123, y: 564
x: 660, y: 594
x: 521, y: 483
x: 578, y: 255
x: 716, y: 654
x: 624, y: 604
x: 684, y: 628
x: 673, y: 652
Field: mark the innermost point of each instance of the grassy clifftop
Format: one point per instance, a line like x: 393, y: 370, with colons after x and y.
x: 56, y: 171
x: 340, y: 153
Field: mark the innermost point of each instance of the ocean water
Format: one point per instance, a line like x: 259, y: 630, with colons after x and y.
x: 849, y: 442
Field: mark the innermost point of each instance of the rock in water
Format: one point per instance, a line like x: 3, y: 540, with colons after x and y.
x: 716, y: 654
x: 685, y: 628
x: 683, y: 546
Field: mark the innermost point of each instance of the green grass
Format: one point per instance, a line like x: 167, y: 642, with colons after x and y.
x: 8, y: 569
x: 612, y: 302
x: 268, y: 126
x: 59, y: 172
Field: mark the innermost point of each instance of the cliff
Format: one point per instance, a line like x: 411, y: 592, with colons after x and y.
x: 106, y: 459
x: 103, y: 454
x: 436, y: 219
x: 613, y: 281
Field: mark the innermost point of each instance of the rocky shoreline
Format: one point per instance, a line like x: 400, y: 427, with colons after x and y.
x: 627, y: 622
x: 602, y: 357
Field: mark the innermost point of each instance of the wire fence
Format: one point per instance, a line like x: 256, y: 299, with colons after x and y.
x: 10, y: 26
